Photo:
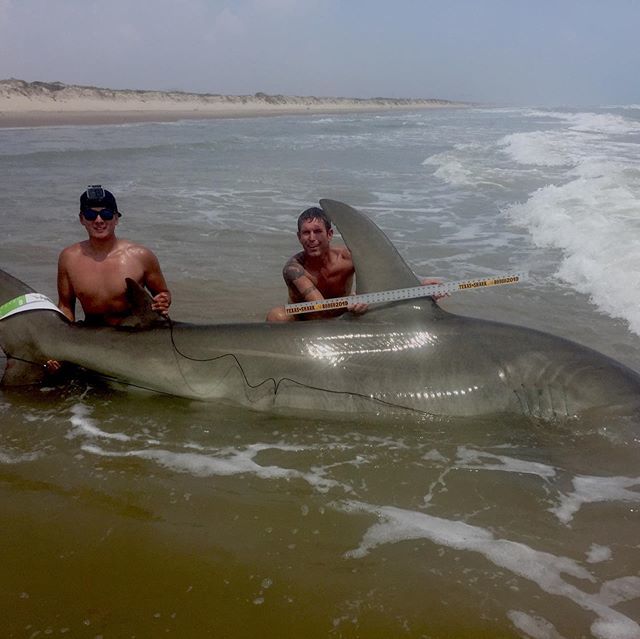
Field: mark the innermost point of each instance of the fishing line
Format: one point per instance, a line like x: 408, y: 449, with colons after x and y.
x: 369, y: 298
x: 37, y: 301
x: 102, y: 375
x: 277, y: 383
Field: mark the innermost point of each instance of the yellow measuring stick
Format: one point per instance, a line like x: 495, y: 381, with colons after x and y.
x: 402, y: 294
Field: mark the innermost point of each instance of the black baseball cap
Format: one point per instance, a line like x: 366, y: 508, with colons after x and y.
x: 97, y: 197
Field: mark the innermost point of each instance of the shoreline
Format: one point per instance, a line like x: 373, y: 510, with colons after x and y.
x: 34, y: 104
x: 107, y: 116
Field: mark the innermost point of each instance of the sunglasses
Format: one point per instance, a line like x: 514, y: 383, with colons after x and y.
x: 105, y: 214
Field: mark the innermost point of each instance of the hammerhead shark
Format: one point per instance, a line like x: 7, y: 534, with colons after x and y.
x: 403, y: 356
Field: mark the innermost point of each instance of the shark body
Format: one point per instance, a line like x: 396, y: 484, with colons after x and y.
x: 402, y: 356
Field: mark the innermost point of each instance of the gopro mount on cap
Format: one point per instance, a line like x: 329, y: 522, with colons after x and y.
x: 95, y: 192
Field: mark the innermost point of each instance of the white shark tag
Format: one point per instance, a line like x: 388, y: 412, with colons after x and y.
x: 27, y: 302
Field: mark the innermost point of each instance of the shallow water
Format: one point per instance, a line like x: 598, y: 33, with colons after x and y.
x: 127, y: 514
x: 131, y: 516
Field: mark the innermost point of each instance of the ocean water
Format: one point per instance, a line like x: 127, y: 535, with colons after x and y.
x: 130, y: 515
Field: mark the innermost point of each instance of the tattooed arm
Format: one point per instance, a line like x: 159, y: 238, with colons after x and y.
x: 301, y: 287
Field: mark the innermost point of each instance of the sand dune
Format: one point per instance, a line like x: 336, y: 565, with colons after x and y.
x: 41, y: 103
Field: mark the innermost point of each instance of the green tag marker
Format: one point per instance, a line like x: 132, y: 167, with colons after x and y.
x: 27, y: 302
x: 11, y: 305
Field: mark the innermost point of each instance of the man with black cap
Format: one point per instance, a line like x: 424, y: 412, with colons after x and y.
x: 94, y: 271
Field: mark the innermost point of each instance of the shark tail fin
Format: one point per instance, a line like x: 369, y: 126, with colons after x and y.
x: 11, y: 287
x: 22, y: 367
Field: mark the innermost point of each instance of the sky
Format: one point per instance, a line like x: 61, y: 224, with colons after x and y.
x: 520, y: 52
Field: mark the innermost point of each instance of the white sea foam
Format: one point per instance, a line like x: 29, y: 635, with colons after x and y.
x: 12, y: 457
x: 593, y: 219
x: 542, y: 568
x: 609, y: 123
x: 85, y: 426
x: 434, y: 455
x: 533, y: 626
x: 590, y: 490
x: 453, y: 172
x: 598, y: 553
x: 464, y: 165
x: 543, y: 148
x: 226, y: 462
x: 586, y: 489
x: 479, y: 460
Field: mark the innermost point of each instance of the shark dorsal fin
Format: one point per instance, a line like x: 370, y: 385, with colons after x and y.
x: 378, y: 265
x: 142, y: 315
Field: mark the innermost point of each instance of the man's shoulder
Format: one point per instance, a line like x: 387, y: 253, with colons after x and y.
x: 133, y: 248
x: 298, y: 258
x: 72, y: 250
x: 123, y: 243
x: 294, y: 268
x: 342, y: 253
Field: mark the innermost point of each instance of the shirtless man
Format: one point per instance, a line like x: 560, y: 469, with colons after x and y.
x: 94, y: 271
x: 320, y: 271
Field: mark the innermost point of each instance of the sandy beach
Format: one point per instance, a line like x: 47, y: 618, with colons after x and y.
x: 44, y: 104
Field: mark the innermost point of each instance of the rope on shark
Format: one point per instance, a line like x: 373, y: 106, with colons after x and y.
x: 277, y: 383
x: 36, y: 301
x: 370, y: 298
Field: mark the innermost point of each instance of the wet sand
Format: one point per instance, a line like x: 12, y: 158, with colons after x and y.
x: 59, y: 118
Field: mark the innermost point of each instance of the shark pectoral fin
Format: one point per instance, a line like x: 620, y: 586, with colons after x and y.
x: 20, y: 373
x: 142, y: 315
